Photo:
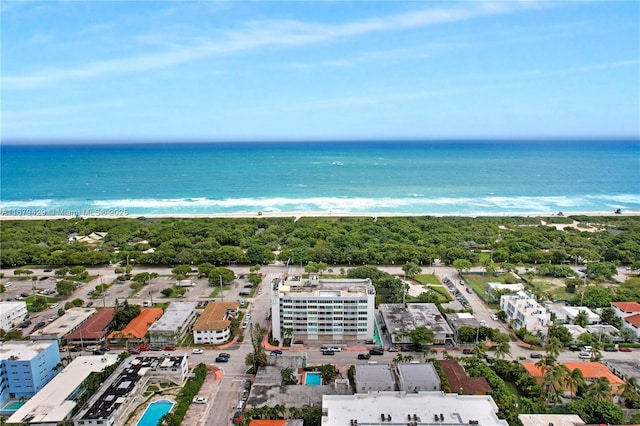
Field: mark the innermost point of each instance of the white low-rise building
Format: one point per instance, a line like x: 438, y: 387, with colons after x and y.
x: 573, y: 311
x: 12, y: 314
x: 338, y: 310
x: 213, y: 326
x: 522, y: 310
x: 401, y: 408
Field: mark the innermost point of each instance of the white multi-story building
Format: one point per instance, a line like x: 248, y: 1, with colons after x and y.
x: 11, y: 314
x: 323, y: 309
x: 524, y: 311
x: 213, y: 326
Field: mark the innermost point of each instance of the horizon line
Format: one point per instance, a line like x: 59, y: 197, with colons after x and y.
x: 140, y: 141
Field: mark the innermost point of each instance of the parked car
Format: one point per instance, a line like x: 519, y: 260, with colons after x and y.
x: 75, y: 349
x: 222, y: 359
x: 144, y: 347
x: 169, y: 348
x: 584, y: 355
x: 134, y: 351
x: 247, y: 384
x: 197, y: 351
x: 90, y: 304
x: 364, y: 356
x: 47, y: 270
x: 376, y: 351
x: 224, y: 355
x: 535, y: 355
x: 467, y: 351
x: 393, y: 349
x: 494, y: 317
x: 98, y: 352
x: 574, y: 348
x: 626, y: 350
x: 610, y: 349
x: 328, y: 353
x: 25, y: 324
x: 200, y: 400
x: 276, y: 352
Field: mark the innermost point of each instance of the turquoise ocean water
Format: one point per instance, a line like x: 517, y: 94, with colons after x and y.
x: 431, y: 178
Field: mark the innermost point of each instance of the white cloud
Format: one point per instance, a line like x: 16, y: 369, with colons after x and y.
x: 257, y: 34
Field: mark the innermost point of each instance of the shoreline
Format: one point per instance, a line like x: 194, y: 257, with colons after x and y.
x: 299, y: 215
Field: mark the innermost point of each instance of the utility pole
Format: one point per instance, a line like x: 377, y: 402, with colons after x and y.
x: 221, y: 294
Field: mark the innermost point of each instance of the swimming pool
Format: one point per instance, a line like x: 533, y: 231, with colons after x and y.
x: 154, y: 412
x: 13, y: 405
x: 312, y: 379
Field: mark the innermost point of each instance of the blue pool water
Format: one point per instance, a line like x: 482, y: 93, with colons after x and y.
x: 313, y: 379
x: 154, y: 413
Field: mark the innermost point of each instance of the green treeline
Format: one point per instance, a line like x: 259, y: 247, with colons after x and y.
x: 330, y: 240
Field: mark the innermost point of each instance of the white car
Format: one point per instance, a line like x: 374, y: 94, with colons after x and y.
x: 584, y: 355
x: 200, y: 400
x: 197, y: 351
x: 494, y: 317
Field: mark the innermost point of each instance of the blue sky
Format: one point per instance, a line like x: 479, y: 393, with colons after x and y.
x: 234, y: 71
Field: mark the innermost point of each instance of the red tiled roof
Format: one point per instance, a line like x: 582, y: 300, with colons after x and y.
x: 268, y: 423
x: 459, y: 379
x: 138, y: 326
x: 627, y: 306
x: 633, y: 319
x: 590, y: 371
x: 95, y: 328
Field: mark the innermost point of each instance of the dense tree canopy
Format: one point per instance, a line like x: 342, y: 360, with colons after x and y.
x: 330, y: 240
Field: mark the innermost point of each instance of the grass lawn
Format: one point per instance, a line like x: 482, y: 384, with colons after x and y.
x: 427, y: 279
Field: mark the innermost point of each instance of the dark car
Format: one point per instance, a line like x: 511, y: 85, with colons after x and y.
x: 40, y: 324
x: 328, y: 353
x: 248, y: 286
x: 610, y: 349
x: 25, y: 324
x: 46, y: 270
x: 376, y: 351
x: 467, y: 351
x: 535, y: 355
x: 75, y: 349
x: 574, y: 348
x: 222, y: 359
x: 276, y: 352
x: 247, y: 384
x: 24, y: 294
x: 224, y: 355
x: 98, y: 352
x: 90, y: 304
x: 364, y: 356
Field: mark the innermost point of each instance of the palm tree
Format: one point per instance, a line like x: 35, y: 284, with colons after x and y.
x: 553, y: 348
x: 575, y: 380
x: 479, y: 349
x: 600, y: 390
x: 558, y: 376
x: 503, y: 349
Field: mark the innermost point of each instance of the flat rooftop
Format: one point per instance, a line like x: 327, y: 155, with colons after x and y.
x: 551, y: 419
x: 51, y: 405
x: 348, y: 287
x: 65, y: 324
x: 174, y: 317
x: 23, y: 350
x: 368, y: 408
x: 400, y: 319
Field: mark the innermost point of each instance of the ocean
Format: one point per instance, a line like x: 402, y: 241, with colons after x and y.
x: 393, y: 177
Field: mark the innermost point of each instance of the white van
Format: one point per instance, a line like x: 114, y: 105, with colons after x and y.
x: 146, y: 304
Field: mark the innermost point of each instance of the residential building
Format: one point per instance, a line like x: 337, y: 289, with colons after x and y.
x: 213, y: 326
x: 374, y: 378
x: 625, y: 309
x: 55, y: 402
x: 12, y: 314
x: 71, y: 320
x: 625, y: 368
x: 124, y: 389
x: 400, y: 320
x: 379, y: 408
x: 94, y: 330
x: 417, y: 377
x: 461, y: 319
x: 331, y: 310
x: 460, y: 382
x: 632, y: 322
x: 137, y: 328
x: 572, y: 312
x: 522, y: 310
x: 26, y: 367
x: 591, y: 371
x: 173, y: 325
